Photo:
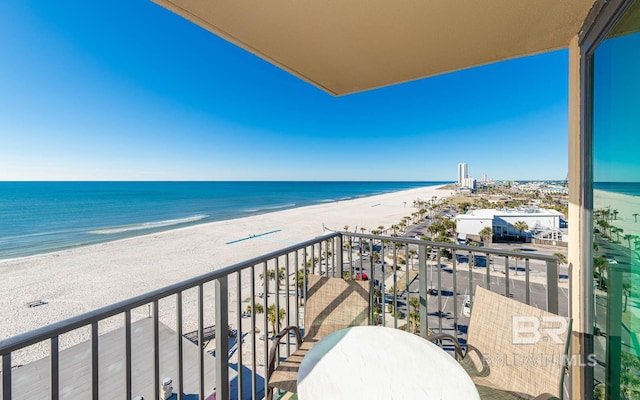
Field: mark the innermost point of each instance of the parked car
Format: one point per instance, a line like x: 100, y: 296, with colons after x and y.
x: 466, y: 306
x: 433, y: 292
x: 362, y: 277
x: 611, y: 259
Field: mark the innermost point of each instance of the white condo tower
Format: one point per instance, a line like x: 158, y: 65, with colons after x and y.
x: 462, y: 172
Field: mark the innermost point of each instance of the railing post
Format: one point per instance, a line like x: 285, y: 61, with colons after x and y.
x: 454, y: 266
x: 552, y: 286
x: 422, y: 272
x: 526, y: 281
x: 94, y: 361
x: 338, y: 253
x: 178, y: 345
x: 439, y: 269
x: 222, y: 338
x: 6, y: 376
x: 156, y: 347
x: 55, y: 368
x: 488, y: 270
x: 506, y: 275
x: 395, y: 285
x: 200, y: 339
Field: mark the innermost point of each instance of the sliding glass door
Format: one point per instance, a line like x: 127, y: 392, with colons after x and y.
x: 615, y: 125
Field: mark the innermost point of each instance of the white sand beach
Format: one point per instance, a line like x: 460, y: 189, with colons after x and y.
x: 79, y: 280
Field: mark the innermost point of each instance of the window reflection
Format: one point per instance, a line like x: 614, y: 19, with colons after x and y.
x: 616, y: 210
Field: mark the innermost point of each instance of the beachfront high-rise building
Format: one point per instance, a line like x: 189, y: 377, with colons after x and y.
x: 469, y: 183
x: 463, y: 172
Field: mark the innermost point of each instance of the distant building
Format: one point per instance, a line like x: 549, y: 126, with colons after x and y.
x: 463, y: 172
x: 484, y: 178
x: 542, y: 223
x: 469, y: 183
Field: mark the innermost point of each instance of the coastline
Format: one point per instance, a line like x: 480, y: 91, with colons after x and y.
x: 85, y: 278
x: 46, y: 217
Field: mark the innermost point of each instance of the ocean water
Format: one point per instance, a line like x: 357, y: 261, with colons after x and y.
x: 39, y: 217
x: 628, y: 188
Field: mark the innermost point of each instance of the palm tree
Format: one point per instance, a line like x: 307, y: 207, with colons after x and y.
x: 600, y: 266
x: 437, y: 228
x: 635, y: 217
x: 486, y: 234
x: 626, y: 291
x: 394, y: 228
x: 414, y: 314
x: 562, y: 259
x: 449, y: 225
x: 605, y: 226
x: 412, y: 254
x: 473, y: 254
x: 521, y: 226
x: 258, y: 309
x: 615, y: 214
x: 617, y: 231
x: 271, y: 275
x: 345, y: 228
x: 271, y: 315
x: 517, y: 258
x: 628, y: 238
x: 300, y: 281
x: 606, y: 213
x: 402, y: 225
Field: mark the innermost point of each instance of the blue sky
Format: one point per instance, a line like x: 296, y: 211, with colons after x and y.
x: 126, y: 90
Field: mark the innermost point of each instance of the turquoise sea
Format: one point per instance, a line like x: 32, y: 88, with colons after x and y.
x: 39, y: 217
x: 628, y: 188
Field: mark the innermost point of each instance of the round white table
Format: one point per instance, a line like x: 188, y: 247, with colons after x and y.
x: 374, y: 362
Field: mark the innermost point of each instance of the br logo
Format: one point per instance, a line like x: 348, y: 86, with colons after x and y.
x: 531, y: 330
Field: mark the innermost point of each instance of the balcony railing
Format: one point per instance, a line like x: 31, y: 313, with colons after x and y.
x: 234, y: 307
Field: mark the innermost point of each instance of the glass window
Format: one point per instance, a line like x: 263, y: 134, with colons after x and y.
x: 616, y: 210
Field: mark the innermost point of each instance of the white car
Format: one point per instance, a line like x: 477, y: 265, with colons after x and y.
x: 466, y: 306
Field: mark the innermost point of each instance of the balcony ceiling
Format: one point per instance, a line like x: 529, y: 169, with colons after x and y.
x: 350, y: 46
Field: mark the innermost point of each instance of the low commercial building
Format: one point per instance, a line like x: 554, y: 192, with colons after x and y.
x: 540, y: 221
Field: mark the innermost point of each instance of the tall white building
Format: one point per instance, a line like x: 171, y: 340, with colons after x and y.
x: 469, y: 183
x: 463, y: 173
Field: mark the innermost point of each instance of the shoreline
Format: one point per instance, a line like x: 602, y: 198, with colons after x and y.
x: 106, y: 234
x: 85, y: 278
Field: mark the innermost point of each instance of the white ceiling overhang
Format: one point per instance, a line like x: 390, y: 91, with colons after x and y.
x: 347, y: 46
